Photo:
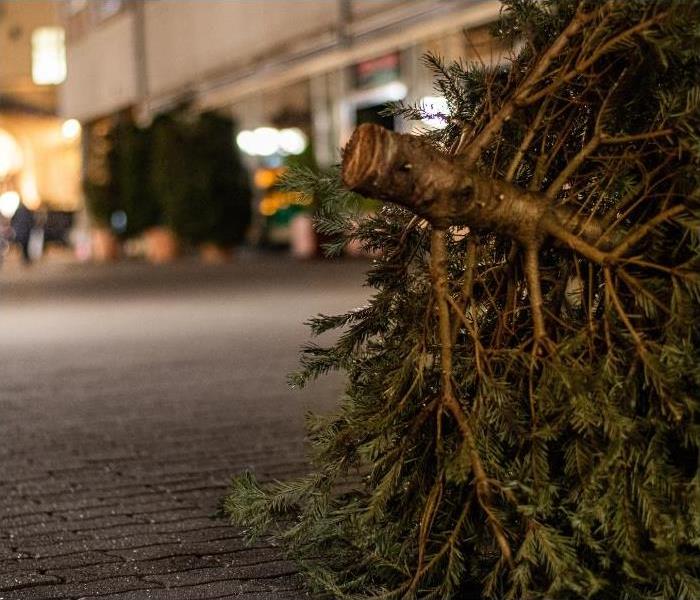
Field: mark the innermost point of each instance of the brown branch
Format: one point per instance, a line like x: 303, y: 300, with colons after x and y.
x: 525, y: 144
x: 438, y: 270
x: 612, y: 295
x: 442, y: 189
x: 640, y: 232
x: 494, y: 125
x: 534, y: 288
x: 468, y: 281
x: 571, y: 167
x: 409, y: 171
x: 584, y: 65
x: 624, y: 139
x: 561, y: 233
x: 478, y: 347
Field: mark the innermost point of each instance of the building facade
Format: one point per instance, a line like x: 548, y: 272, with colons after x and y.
x: 260, y: 59
x: 40, y: 158
x: 39, y: 151
x: 315, y: 66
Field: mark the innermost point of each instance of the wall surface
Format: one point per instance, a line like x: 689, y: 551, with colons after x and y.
x: 223, y: 49
x: 18, y: 19
x: 185, y: 40
x: 101, y: 71
x: 189, y: 39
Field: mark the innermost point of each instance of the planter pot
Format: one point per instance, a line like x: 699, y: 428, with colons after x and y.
x: 213, y: 254
x: 104, y: 245
x: 161, y: 245
x: 303, y: 240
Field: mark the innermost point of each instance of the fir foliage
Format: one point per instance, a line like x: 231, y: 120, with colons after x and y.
x: 486, y: 461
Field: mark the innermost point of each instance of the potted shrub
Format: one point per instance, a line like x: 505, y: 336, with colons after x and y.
x: 99, y: 187
x: 144, y: 216
x: 201, y: 182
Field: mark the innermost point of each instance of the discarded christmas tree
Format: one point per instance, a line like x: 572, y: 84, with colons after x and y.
x: 521, y: 414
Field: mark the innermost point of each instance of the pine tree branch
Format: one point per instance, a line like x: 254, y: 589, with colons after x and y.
x: 530, y: 134
x: 406, y: 170
x: 438, y: 269
x: 520, y: 96
x: 640, y: 232
x: 478, y: 346
x: 571, y: 167
x: 468, y: 279
x: 624, y: 139
x: 534, y: 288
x: 601, y: 50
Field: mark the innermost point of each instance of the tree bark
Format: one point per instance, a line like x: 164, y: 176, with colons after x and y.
x: 445, y: 191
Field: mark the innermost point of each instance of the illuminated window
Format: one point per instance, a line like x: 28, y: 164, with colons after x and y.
x: 48, y: 56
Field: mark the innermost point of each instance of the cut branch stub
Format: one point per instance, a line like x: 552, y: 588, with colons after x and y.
x: 442, y: 189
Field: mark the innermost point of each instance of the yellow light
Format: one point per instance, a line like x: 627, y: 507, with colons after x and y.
x: 11, y: 159
x: 71, y: 129
x: 268, y: 207
x: 28, y: 189
x: 281, y: 199
x: 266, y: 178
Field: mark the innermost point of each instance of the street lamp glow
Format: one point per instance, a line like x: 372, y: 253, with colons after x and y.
x: 9, y: 203
x: 266, y: 141
x: 71, y: 129
x: 246, y: 142
x: 292, y: 141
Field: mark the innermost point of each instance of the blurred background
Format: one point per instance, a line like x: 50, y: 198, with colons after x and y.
x: 154, y: 129
x: 154, y: 278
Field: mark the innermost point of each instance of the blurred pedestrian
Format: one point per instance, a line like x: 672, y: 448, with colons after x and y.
x: 22, y: 224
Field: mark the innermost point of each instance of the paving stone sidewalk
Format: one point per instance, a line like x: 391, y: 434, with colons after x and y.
x: 128, y: 397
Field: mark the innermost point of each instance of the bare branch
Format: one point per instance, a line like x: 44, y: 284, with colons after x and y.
x: 438, y: 269
x: 471, y: 154
x: 532, y: 274
x: 571, y: 167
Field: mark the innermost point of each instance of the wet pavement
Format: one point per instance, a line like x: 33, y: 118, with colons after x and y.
x: 129, y: 395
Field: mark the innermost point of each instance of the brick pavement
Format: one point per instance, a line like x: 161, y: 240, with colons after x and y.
x: 127, y: 400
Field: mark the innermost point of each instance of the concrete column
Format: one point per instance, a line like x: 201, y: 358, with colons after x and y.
x: 344, y: 21
x: 343, y: 119
x: 140, y: 61
x: 321, y: 120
